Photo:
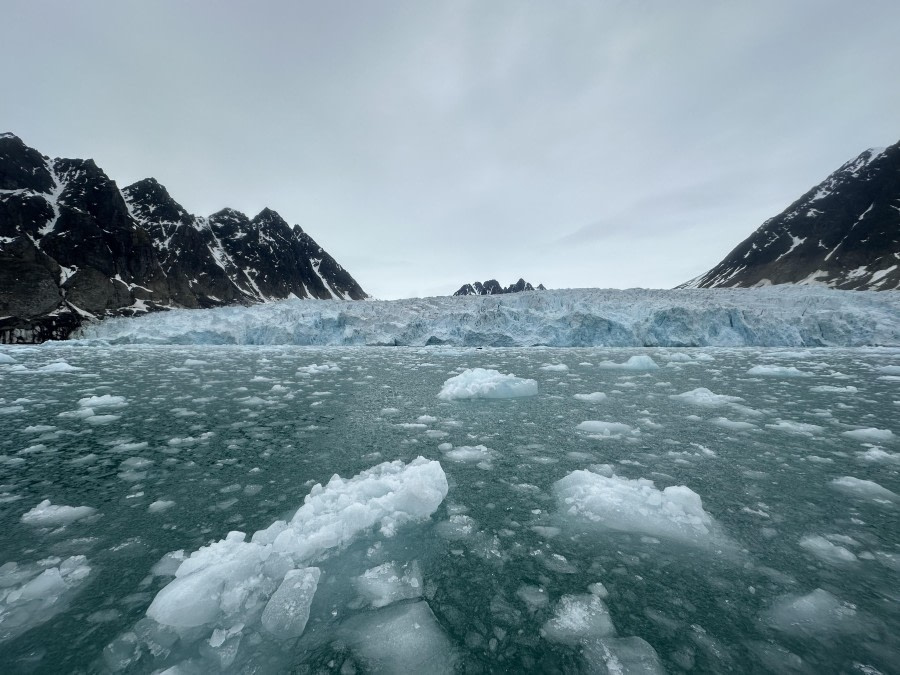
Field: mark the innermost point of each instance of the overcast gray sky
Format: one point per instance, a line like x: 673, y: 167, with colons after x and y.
x: 428, y: 144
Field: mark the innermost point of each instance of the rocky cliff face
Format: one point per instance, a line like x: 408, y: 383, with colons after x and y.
x: 843, y: 233
x: 493, y: 287
x: 75, y: 247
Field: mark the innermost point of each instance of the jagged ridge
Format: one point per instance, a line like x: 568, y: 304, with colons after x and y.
x: 493, y: 287
x: 73, y: 246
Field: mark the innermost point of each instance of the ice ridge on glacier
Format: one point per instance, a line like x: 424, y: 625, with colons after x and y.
x: 767, y: 317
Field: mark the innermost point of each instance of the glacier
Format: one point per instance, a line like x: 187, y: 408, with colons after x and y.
x: 764, y: 317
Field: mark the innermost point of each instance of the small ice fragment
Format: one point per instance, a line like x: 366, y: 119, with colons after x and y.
x: 287, y: 611
x: 46, y: 514
x: 578, y: 617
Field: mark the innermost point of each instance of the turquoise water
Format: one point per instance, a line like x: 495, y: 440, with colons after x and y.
x: 235, y: 437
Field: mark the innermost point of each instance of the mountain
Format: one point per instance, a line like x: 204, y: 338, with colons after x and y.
x: 843, y: 233
x: 74, y: 247
x: 493, y: 287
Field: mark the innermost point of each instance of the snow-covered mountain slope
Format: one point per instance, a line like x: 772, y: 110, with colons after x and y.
x: 493, y: 287
x: 843, y: 233
x: 778, y: 316
x: 72, y: 245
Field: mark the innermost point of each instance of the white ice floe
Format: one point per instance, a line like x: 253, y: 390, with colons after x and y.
x: 33, y: 594
x: 776, y: 371
x: 601, y: 429
x: 404, y: 638
x: 733, y: 425
x: 555, y: 367
x: 636, y: 362
x: 614, y: 503
x: 6, y: 358
x: 593, y: 397
x: 701, y: 396
x: 470, y: 453
x: 799, y: 428
x: 57, y: 367
x: 818, y: 613
x: 105, y: 401
x: 831, y: 389
x: 160, y: 505
x: 316, y: 369
x: 827, y: 552
x: 389, y: 583
x: 880, y: 455
x: 577, y: 618
x: 621, y: 656
x: 870, y: 435
x: 484, y: 383
x: 46, y: 514
x: 233, y: 588
x: 864, y: 489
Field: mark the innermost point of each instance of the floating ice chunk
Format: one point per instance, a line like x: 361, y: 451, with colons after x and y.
x: 404, y: 638
x: 864, y: 489
x: 316, y: 369
x: 534, y: 597
x: 880, y: 455
x: 6, y: 358
x: 387, y: 495
x: 594, y: 397
x: 34, y: 594
x: 621, y: 656
x: 578, y: 617
x: 828, y: 388
x: 818, y: 614
x: 827, y: 552
x: 625, y: 505
x: 46, y: 514
x: 889, y: 370
x: 287, y: 611
x: 679, y: 357
x: 637, y: 362
x: 57, y: 367
x: 195, y: 362
x: 702, y: 396
x: 776, y: 371
x: 105, y: 401
x: 426, y: 419
x: 870, y: 435
x: 100, y: 419
x: 469, y: 453
x: 160, y: 505
x: 555, y: 367
x: 483, y: 383
x: 726, y: 423
x: 389, y: 583
x: 800, y: 428
x: 601, y: 429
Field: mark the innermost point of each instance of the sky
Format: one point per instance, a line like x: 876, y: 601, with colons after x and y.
x: 603, y: 143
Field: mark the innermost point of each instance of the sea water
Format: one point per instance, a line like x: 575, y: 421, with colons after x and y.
x: 635, y: 510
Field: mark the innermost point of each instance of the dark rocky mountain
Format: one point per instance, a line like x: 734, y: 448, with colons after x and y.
x: 493, y: 287
x: 843, y: 233
x: 74, y: 247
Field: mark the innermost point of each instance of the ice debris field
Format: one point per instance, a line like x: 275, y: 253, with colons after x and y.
x: 216, y: 509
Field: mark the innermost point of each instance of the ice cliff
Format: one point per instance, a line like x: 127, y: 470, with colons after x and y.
x: 774, y: 316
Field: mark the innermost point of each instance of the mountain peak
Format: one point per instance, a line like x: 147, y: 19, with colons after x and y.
x: 493, y: 287
x: 843, y: 233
